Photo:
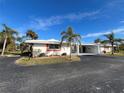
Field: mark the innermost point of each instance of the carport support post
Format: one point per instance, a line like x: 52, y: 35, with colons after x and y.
x: 77, y: 49
x: 98, y: 47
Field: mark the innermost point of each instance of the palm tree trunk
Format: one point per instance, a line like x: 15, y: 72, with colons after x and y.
x: 4, y: 45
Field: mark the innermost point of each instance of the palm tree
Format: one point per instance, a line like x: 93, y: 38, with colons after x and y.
x: 110, y: 39
x: 32, y: 35
x: 8, y: 36
x: 1, y: 37
x: 70, y: 37
x: 1, y: 40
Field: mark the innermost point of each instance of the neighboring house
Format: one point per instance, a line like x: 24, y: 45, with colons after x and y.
x: 52, y: 47
x: 106, y: 48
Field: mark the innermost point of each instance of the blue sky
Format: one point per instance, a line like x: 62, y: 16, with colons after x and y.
x: 90, y: 18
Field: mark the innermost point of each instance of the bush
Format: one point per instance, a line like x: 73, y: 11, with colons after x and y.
x: 104, y: 52
x: 121, y: 47
x: 64, y: 54
x: 26, y: 54
x: 42, y: 55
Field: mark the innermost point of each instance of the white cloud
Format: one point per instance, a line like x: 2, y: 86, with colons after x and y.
x: 43, y: 24
x: 122, y: 21
x: 80, y: 16
x: 115, y: 3
x: 118, y: 30
x: 53, y: 39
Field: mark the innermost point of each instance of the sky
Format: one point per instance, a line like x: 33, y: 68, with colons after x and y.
x: 48, y: 18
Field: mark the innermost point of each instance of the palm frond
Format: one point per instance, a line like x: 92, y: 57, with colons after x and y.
x: 63, y: 33
x: 105, y: 42
x: 70, y: 31
x: 98, y: 40
x: 31, y: 34
x: 70, y: 36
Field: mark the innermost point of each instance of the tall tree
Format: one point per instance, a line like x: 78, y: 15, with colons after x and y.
x: 1, y: 37
x: 8, y: 36
x: 70, y: 37
x: 32, y: 35
x: 1, y: 40
x: 111, y: 39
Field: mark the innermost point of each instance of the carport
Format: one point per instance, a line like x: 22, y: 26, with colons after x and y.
x: 89, y: 49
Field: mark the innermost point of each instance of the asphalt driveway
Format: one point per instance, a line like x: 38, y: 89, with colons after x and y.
x: 94, y: 74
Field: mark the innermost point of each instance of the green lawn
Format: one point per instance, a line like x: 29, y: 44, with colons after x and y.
x: 121, y: 53
x: 12, y: 53
x: 46, y: 60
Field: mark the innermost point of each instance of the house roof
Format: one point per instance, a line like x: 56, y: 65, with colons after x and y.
x: 102, y: 45
x: 50, y: 42
x: 42, y: 41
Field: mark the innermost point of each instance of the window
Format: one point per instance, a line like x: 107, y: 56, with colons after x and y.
x: 54, y: 46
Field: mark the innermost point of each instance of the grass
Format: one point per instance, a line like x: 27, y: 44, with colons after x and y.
x: 116, y: 54
x: 12, y: 53
x: 46, y: 60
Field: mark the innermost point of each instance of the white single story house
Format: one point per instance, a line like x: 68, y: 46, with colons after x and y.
x: 52, y: 47
x: 105, y: 48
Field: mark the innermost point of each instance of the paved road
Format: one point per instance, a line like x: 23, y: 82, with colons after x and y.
x: 94, y: 74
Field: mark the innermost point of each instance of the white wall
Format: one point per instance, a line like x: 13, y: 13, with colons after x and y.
x: 38, y: 49
x: 65, y: 49
x: 42, y: 48
x: 105, y: 49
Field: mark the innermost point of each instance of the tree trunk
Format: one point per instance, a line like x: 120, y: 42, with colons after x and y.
x: 31, y: 52
x: 4, y: 45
